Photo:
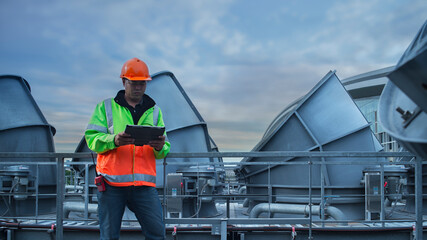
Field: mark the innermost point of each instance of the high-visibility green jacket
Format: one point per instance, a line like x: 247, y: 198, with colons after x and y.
x: 127, y: 165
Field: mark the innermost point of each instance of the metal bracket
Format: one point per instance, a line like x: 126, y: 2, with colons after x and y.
x: 220, y: 229
x: 216, y: 229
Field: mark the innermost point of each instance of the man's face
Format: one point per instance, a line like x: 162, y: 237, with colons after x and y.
x: 134, y: 90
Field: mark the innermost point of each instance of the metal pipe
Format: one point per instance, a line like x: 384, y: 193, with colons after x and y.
x: 246, y: 202
x: 79, y: 207
x: 74, y: 187
x: 334, y: 212
x: 242, y: 190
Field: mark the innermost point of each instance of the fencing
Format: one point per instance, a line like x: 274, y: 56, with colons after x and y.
x: 220, y: 226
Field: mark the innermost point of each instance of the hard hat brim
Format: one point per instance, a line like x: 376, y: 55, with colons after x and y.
x: 137, y: 78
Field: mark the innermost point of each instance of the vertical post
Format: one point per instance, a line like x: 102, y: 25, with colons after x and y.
x: 86, y: 213
x: 10, y: 234
x: 37, y: 192
x: 310, y: 164
x: 164, y: 189
x: 228, y: 207
x: 367, y: 214
x: 197, y: 192
x: 270, y: 191
x: 59, y: 198
x: 419, y: 198
x: 228, y: 197
x: 382, y: 212
x: 223, y: 230
x: 322, y: 193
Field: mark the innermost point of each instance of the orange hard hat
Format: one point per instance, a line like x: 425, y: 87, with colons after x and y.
x: 135, y: 70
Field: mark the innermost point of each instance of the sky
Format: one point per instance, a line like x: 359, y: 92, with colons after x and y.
x: 240, y: 62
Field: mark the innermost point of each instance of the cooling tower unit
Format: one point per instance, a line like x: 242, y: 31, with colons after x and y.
x: 403, y: 106
x: 403, y: 103
x: 187, y: 132
x: 23, y: 128
x: 326, y: 119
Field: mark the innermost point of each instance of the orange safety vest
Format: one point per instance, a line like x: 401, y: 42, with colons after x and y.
x: 127, y: 165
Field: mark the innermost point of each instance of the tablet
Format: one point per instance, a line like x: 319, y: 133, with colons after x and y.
x: 144, y: 134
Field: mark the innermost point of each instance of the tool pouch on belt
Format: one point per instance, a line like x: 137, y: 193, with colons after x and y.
x: 99, y: 179
x: 100, y: 184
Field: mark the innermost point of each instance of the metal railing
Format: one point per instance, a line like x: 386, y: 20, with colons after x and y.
x: 221, y: 223
x: 388, y: 142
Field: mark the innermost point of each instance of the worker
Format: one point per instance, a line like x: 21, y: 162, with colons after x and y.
x: 128, y: 171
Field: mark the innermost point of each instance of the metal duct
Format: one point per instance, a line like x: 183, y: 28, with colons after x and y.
x: 23, y: 128
x: 185, y: 127
x: 83, y: 148
x: 410, y: 74
x: 326, y: 119
x: 187, y: 132
x: 403, y: 104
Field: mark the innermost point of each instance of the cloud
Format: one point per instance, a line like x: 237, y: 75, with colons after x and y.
x: 241, y: 62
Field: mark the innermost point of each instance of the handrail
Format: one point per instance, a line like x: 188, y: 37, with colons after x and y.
x: 268, y: 154
x: 60, y: 162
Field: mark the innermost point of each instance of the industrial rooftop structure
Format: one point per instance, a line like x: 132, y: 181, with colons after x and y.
x: 331, y: 165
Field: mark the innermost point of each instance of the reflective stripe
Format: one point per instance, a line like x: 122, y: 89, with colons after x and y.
x: 145, y: 178
x: 97, y: 128
x: 130, y: 178
x: 109, y: 115
x: 156, y: 119
x: 155, y: 115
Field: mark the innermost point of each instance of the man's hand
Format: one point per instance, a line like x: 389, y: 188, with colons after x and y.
x: 158, y: 144
x: 123, y: 139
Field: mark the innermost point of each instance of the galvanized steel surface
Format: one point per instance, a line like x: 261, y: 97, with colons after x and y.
x: 403, y: 104
x: 23, y: 128
x: 220, y: 228
x: 185, y: 127
x: 410, y: 75
x: 326, y: 119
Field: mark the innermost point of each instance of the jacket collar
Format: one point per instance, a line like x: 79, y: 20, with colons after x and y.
x: 146, y: 101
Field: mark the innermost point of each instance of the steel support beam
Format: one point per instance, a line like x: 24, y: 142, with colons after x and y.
x: 60, y: 184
